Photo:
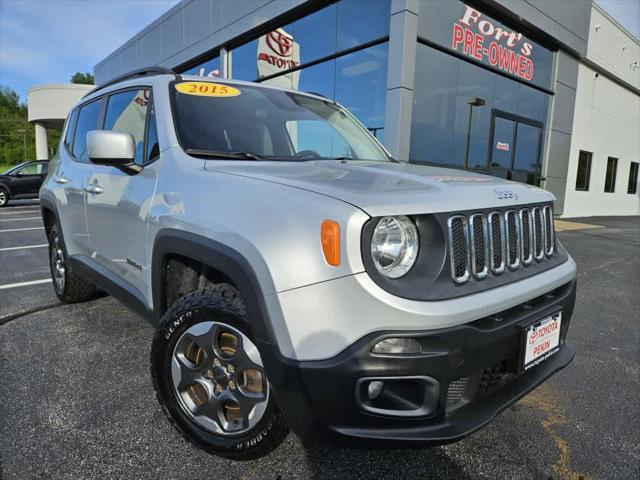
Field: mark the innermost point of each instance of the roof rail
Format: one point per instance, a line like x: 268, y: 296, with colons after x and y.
x: 140, y: 72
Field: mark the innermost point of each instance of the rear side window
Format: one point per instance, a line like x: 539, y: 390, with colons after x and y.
x: 127, y: 112
x: 71, y: 128
x: 88, y: 119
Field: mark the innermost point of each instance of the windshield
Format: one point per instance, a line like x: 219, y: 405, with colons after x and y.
x: 266, y: 124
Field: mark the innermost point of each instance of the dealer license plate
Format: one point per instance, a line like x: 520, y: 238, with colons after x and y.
x: 541, y: 340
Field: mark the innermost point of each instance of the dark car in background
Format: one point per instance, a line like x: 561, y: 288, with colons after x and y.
x: 22, y: 181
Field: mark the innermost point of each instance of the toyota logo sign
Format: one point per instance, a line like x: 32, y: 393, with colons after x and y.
x: 280, y: 43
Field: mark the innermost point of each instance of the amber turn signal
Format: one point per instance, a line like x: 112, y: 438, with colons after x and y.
x: 330, y: 238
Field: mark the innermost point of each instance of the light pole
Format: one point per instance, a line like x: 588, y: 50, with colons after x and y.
x: 472, y: 102
x: 24, y: 142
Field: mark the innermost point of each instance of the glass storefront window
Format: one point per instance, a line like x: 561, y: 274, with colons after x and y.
x: 456, y: 103
x: 358, y: 81
x: 360, y: 21
x: 210, y: 68
x: 326, y: 32
x: 472, y: 33
x: 361, y: 86
x: 244, y: 62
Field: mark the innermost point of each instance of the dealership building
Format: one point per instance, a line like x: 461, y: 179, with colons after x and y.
x: 543, y: 92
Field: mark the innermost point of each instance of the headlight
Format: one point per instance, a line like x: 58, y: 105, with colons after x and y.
x: 394, y: 246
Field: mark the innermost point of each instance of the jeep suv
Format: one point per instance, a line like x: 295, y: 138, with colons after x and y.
x: 299, y: 277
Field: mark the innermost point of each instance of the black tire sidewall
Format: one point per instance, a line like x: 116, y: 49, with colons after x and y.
x: 6, y: 196
x: 252, y: 444
x: 55, y: 232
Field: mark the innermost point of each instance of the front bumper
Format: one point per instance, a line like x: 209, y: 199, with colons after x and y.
x: 475, y: 367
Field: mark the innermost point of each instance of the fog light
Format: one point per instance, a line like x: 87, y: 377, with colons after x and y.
x: 397, y: 346
x: 375, y: 389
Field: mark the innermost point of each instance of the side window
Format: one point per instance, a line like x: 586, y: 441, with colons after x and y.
x: 584, y: 171
x: 127, y: 112
x: 153, y: 148
x: 71, y: 128
x: 32, y: 169
x: 88, y: 119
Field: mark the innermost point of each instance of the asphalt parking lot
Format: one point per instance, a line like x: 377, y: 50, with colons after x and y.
x: 76, y: 399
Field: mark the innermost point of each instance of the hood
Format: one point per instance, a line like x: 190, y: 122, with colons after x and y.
x: 385, y: 188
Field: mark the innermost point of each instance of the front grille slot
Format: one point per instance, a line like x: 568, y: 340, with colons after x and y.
x: 539, y: 234
x: 550, y: 238
x: 479, y: 245
x: 513, y: 239
x: 459, y: 248
x: 525, y: 237
x: 497, y: 242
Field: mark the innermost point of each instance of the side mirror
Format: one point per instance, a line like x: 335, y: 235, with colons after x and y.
x: 117, y: 149
x: 19, y: 174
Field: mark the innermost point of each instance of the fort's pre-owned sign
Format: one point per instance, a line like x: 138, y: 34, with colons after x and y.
x: 504, y: 49
x: 475, y: 35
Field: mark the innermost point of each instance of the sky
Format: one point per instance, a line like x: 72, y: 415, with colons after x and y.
x: 46, y: 41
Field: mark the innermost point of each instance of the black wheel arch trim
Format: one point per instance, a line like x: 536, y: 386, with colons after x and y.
x: 217, y: 256
x: 6, y: 187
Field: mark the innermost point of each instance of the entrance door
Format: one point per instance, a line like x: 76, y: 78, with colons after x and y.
x: 515, y: 148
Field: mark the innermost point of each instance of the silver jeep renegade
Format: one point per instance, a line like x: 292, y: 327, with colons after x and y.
x: 298, y: 276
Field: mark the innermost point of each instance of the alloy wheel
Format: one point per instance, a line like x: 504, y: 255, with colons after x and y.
x: 58, y: 266
x: 218, y: 378
x: 3, y: 198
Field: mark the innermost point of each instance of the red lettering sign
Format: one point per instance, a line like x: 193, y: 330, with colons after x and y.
x: 470, y: 34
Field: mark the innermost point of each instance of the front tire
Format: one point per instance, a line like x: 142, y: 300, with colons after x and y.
x: 4, y: 197
x: 209, y: 378
x: 69, y: 286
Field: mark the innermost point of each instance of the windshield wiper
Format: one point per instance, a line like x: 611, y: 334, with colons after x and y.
x: 224, y: 155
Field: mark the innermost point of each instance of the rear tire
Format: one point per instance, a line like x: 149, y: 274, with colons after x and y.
x: 209, y: 378
x: 69, y: 286
x: 4, y: 197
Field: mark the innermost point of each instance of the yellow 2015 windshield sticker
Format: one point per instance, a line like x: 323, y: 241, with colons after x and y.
x: 207, y: 89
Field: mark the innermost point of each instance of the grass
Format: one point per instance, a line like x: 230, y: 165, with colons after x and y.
x: 6, y: 166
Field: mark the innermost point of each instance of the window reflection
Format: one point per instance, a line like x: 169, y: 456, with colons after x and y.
x: 444, y: 87
x: 372, y: 21
x: 210, y: 68
x: 358, y: 81
x: 361, y: 86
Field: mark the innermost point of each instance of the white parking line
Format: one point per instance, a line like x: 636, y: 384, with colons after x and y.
x: 18, y: 213
x: 21, y: 229
x: 19, y: 219
x: 8, y: 249
x: 24, y: 284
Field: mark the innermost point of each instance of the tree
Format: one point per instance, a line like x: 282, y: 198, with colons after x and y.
x: 84, y: 78
x: 15, y: 131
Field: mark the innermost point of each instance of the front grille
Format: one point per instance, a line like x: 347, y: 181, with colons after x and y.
x: 492, y: 243
x: 481, y: 383
x: 456, y: 391
x: 479, y: 245
x: 492, y: 378
x: 459, y: 248
x: 538, y: 230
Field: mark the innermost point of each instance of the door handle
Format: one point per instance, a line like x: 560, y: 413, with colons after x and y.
x: 60, y: 180
x: 92, y: 188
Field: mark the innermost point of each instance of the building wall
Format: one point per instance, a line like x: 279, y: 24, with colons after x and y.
x: 607, y: 120
x: 188, y: 30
